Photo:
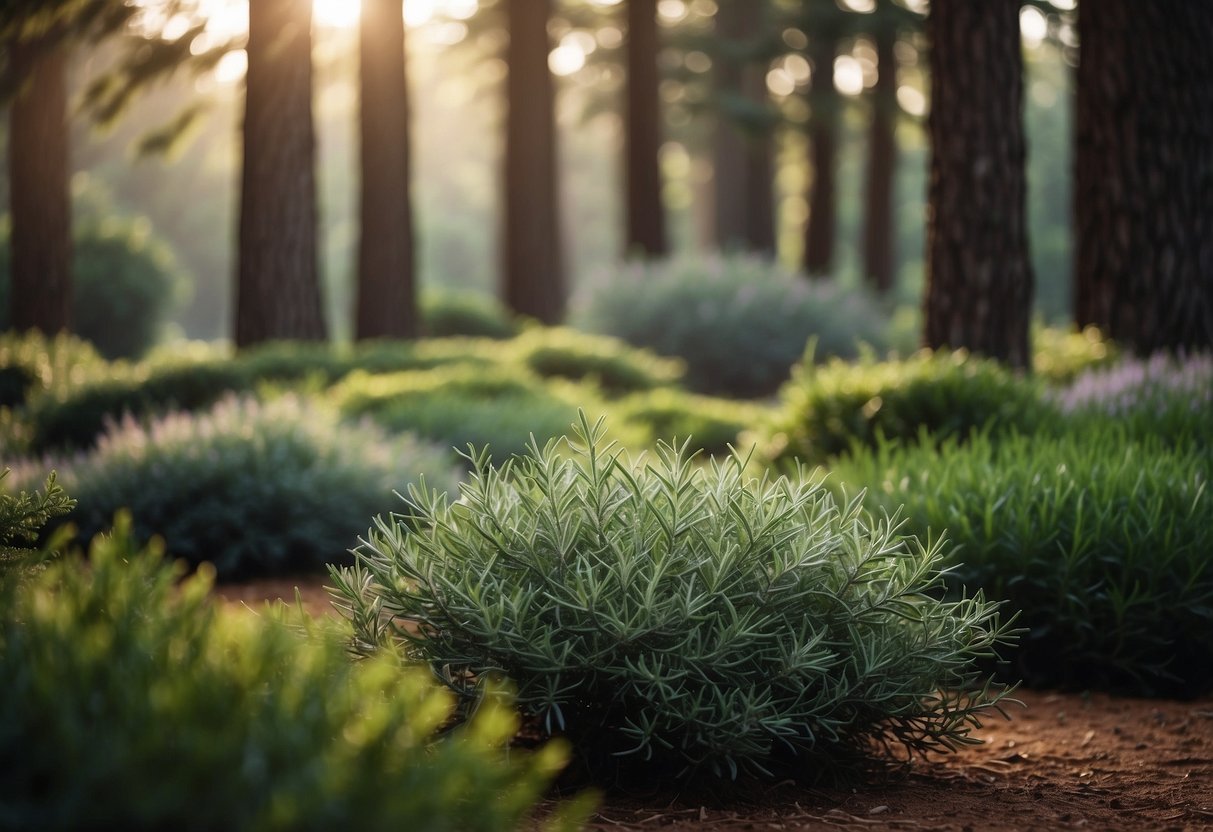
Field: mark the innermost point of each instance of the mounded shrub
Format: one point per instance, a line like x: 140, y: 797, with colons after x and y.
x: 1060, y: 355
x: 131, y: 702
x: 675, y: 618
x: 447, y: 313
x: 125, y: 285
x: 460, y: 406
x: 1103, y: 542
x: 712, y: 425
x: 253, y: 488
x: 828, y: 409
x: 32, y: 364
x: 613, y: 366
x: 739, y: 323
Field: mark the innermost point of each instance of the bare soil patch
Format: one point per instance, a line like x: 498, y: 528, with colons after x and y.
x: 1065, y: 761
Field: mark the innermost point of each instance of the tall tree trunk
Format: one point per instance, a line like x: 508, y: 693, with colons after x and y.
x: 646, y: 233
x: 742, y: 165
x: 386, y: 306
x: 878, y: 227
x: 825, y: 111
x: 1143, y: 187
x: 39, y: 169
x: 979, y: 275
x: 534, y: 272
x: 277, y: 281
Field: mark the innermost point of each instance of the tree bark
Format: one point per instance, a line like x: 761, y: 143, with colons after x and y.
x: 1143, y: 185
x: 825, y: 110
x: 878, y: 228
x: 742, y: 165
x: 39, y: 192
x: 534, y: 282
x: 646, y: 234
x: 979, y: 275
x: 386, y: 305
x: 277, y: 281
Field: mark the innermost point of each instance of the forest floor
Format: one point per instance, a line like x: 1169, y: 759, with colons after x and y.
x: 1064, y: 761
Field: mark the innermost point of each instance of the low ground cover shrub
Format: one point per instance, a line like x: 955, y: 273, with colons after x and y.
x: 825, y: 410
x: 1059, y: 355
x: 739, y: 323
x: 130, y: 702
x: 32, y: 364
x: 613, y: 366
x: 674, y: 618
x: 1102, y: 541
x: 1166, y: 396
x: 711, y: 424
x: 447, y: 313
x: 253, y: 488
x: 458, y: 406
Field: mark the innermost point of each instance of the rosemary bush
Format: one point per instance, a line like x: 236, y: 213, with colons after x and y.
x: 1104, y: 543
x: 252, y: 488
x: 613, y: 366
x: 711, y: 424
x: 676, y: 616
x: 739, y: 323
x: 131, y: 702
x: 23, y: 516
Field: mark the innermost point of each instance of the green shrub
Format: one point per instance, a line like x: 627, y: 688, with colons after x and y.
x: 1060, y: 355
x: 32, y: 364
x: 616, y: 368
x: 125, y: 285
x: 458, y: 406
x: 739, y: 323
x: 711, y: 424
x: 446, y: 313
x: 252, y: 488
x: 131, y: 703
x: 827, y: 409
x: 1103, y: 542
x: 680, y: 618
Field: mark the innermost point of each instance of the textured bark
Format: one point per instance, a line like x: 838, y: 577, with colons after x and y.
x: 277, y: 282
x: 40, y: 198
x: 878, y: 228
x: 825, y: 110
x: 534, y: 272
x: 646, y: 232
x: 744, y: 196
x: 979, y: 275
x: 386, y: 305
x: 1143, y: 186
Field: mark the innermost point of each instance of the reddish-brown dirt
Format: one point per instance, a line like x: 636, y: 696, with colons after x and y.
x: 1065, y: 761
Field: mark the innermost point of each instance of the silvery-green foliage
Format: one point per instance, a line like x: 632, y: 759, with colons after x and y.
x: 677, y: 615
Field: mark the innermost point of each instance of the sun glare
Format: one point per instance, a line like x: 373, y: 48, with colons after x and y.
x: 340, y: 14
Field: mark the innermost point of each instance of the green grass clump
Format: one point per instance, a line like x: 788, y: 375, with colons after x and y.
x: 675, y: 618
x: 1105, y: 543
x: 131, y: 702
x: 739, y: 323
x: 828, y: 409
x: 252, y: 488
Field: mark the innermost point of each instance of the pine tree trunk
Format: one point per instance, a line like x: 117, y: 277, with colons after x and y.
x: 386, y: 305
x: 743, y: 192
x: 277, y: 283
x: 534, y: 272
x: 40, y: 196
x: 646, y: 233
x: 825, y: 111
x: 979, y: 275
x: 1143, y: 187
x: 878, y: 227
